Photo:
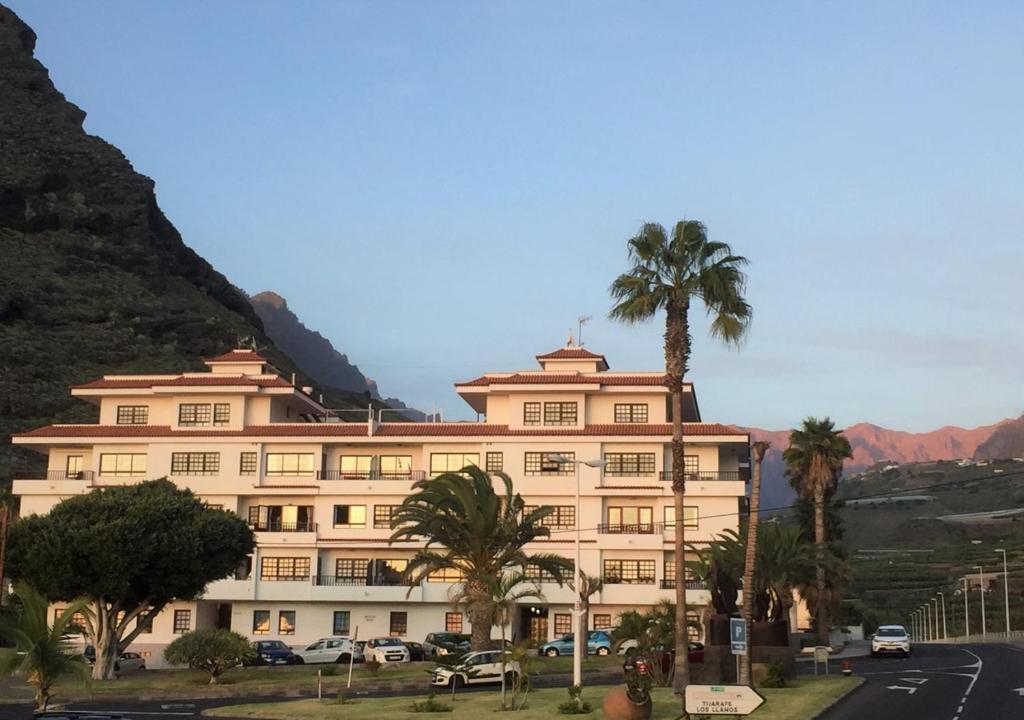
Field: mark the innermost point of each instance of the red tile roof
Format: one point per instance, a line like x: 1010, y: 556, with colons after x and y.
x: 541, y: 378
x: 232, y: 356
x: 383, y: 431
x: 574, y: 353
x: 182, y: 381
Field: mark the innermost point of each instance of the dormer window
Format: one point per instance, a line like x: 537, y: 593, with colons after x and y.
x: 560, y: 413
x: 132, y: 414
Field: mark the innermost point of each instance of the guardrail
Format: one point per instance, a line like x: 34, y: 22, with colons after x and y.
x: 284, y: 527
x: 335, y: 581
x: 408, y: 476
x: 690, y: 585
x: 705, y: 475
x: 59, y: 475
x: 651, y: 528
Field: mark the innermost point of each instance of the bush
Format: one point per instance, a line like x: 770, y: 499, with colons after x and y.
x: 213, y: 650
x: 575, y: 705
x: 775, y: 676
x: 330, y: 670
x: 372, y: 665
x: 430, y: 705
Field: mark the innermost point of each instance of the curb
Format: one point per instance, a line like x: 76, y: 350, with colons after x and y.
x: 839, y: 699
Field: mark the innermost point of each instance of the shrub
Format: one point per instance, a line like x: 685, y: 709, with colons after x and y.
x: 372, y: 665
x: 430, y: 705
x: 213, y: 650
x: 775, y: 676
x: 330, y: 670
x: 575, y: 705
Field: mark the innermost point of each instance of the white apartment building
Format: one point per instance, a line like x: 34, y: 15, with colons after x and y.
x: 319, y: 492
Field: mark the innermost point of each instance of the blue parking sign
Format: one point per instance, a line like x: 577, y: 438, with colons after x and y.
x: 738, y: 636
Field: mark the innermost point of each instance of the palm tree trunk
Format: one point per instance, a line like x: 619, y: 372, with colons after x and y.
x: 676, y: 354
x: 503, y: 707
x: 751, y: 559
x: 5, y: 514
x: 819, y: 571
x: 481, y: 619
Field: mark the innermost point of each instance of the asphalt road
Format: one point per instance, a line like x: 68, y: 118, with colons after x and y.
x: 938, y: 682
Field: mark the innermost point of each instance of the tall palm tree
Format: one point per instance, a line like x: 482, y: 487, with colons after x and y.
x: 39, y: 650
x: 759, y: 448
x: 505, y: 591
x: 470, y: 528
x: 8, y: 504
x: 814, y: 461
x: 670, y: 273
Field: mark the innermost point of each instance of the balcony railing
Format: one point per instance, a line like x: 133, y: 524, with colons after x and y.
x: 277, y: 526
x: 81, y: 475
x: 703, y: 475
x: 379, y: 581
x: 651, y: 528
x: 616, y: 580
x: 408, y: 476
x: 690, y: 585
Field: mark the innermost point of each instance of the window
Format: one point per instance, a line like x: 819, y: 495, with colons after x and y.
x: 495, y: 462
x: 132, y: 414
x: 290, y: 464
x: 535, y: 575
x: 452, y: 462
x: 691, y: 517
x: 602, y: 622
x: 282, y: 518
x: 247, y: 464
x: 559, y: 413
x: 629, y: 464
x: 284, y: 568
x: 221, y: 414
x: 531, y: 413
x: 356, y: 466
x: 349, y: 516
x: 73, y: 469
x: 668, y: 570
x: 286, y: 622
x: 630, y: 412
x: 631, y: 519
x: 629, y: 572
x: 453, y: 622
x: 341, y: 625
x: 447, y: 575
x: 389, y: 572
x: 352, y: 571
x: 400, y: 465
x: 382, y: 515
x: 260, y: 622
x: 692, y: 626
x: 563, y: 624
x: 182, y: 621
x: 562, y: 516
x: 399, y: 624
x: 123, y: 464
x: 78, y: 622
x: 195, y: 463
x: 193, y: 415
x: 536, y: 463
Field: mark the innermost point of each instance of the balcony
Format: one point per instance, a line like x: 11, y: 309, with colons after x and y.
x: 690, y: 585
x: 409, y: 476
x: 287, y: 527
x: 86, y: 476
x: 379, y: 581
x: 651, y: 528
x: 704, y: 476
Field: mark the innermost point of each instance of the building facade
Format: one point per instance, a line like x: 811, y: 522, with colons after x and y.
x: 319, y: 491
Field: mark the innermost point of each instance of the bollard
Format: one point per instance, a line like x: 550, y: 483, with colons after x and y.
x: 847, y: 669
x: 319, y: 684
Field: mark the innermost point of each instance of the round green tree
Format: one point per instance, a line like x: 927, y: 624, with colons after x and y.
x: 210, y: 649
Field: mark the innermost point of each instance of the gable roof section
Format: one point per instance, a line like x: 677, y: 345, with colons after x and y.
x: 237, y: 356
x: 547, y: 378
x: 140, y: 383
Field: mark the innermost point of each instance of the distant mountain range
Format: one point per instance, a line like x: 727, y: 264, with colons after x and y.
x: 873, y: 444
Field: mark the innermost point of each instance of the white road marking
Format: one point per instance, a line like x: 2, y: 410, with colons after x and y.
x: 1019, y: 691
x: 916, y: 681
x: 908, y: 690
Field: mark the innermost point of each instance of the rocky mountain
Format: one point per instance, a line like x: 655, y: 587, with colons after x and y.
x: 873, y: 444
x: 1006, y: 442
x: 93, y: 277
x: 315, y: 354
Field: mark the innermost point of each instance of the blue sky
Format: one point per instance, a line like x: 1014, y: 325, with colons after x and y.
x: 442, y: 188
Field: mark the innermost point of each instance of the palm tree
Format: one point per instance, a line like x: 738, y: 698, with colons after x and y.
x: 759, y: 448
x: 39, y: 651
x: 471, y: 529
x: 7, y: 508
x: 505, y: 591
x: 670, y: 273
x: 588, y: 586
x: 814, y: 460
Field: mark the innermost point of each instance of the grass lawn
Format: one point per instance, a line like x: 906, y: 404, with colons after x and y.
x: 805, y: 699
x: 263, y: 680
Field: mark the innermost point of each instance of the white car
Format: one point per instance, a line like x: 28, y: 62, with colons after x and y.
x: 335, y: 649
x: 130, y: 661
x: 386, y: 650
x: 477, y: 668
x: 890, y: 639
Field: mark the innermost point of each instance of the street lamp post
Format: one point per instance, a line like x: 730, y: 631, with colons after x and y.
x: 579, y: 646
x: 967, y: 616
x: 928, y: 621
x: 942, y: 599
x: 1006, y: 591
x: 935, y: 614
x: 981, y: 591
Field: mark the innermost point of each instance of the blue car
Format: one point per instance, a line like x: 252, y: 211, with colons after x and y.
x: 598, y: 643
x: 274, y: 652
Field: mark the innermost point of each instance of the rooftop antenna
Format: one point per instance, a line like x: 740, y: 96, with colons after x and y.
x: 582, y: 320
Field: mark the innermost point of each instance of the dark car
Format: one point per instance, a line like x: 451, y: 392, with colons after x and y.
x: 445, y: 643
x: 274, y: 652
x: 78, y: 715
x: 416, y: 651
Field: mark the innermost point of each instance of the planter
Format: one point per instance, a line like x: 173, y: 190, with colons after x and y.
x: 618, y: 706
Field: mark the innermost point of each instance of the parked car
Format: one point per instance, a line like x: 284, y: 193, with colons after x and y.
x: 446, y: 643
x: 385, y: 650
x: 274, y: 652
x: 599, y: 642
x: 696, y: 653
x: 334, y: 649
x: 890, y: 639
x: 476, y: 668
x: 416, y: 651
x: 126, y: 661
